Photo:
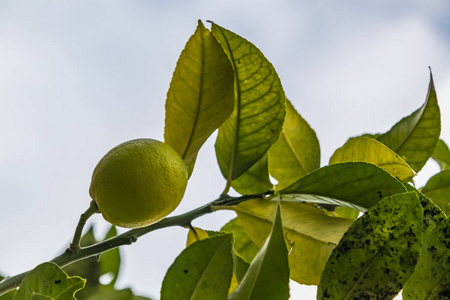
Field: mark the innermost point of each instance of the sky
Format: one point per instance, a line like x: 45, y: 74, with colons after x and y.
x: 79, y: 77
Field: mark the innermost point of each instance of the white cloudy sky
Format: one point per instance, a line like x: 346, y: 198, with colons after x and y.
x: 79, y: 77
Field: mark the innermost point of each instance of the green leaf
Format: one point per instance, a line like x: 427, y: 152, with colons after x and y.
x: 255, y: 180
x: 202, y: 271
x: 297, y: 151
x: 200, y: 97
x: 110, y: 260
x: 371, y: 151
x: 268, y: 275
x: 378, y: 253
x: 359, y: 184
x: 49, y: 280
x: 35, y: 296
x: 438, y: 190
x: 432, y: 214
x: 415, y: 137
x: 258, y: 115
x: 310, y: 233
x: 243, y: 245
x: 431, y: 278
x: 442, y: 155
x: 9, y: 295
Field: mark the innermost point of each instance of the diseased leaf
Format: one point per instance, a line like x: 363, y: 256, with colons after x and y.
x: 297, y: 151
x: 268, y: 275
x: 310, y: 233
x: 243, y: 245
x: 442, y: 155
x: 432, y: 214
x: 202, y: 271
x: 371, y: 151
x: 378, y: 253
x: 415, y: 137
x: 359, y: 184
x: 438, y: 190
x: 431, y: 278
x: 259, y: 111
x: 255, y: 180
x: 200, y: 97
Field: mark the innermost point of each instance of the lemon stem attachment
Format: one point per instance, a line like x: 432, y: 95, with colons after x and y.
x: 93, y: 209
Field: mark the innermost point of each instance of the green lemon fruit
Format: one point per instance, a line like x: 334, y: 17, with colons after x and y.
x: 138, y: 183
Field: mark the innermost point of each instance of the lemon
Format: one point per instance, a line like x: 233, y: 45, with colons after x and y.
x: 138, y: 183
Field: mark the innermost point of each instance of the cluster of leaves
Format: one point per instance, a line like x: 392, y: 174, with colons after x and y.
x: 308, y: 230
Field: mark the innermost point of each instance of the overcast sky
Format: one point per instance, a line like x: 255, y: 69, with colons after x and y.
x: 79, y: 77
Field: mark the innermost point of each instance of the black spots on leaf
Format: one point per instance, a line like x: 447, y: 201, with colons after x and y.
x: 325, y: 294
x: 57, y: 281
x: 185, y: 271
x: 445, y: 237
x: 380, y: 194
x: 445, y: 293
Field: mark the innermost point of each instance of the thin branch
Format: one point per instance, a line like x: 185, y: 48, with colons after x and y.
x: 93, y: 209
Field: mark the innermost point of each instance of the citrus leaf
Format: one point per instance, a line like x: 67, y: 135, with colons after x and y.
x: 376, y: 256
x: 415, y: 137
x: 371, y: 151
x: 438, y: 190
x: 197, y: 235
x: 36, y: 296
x: 431, y: 278
x: 9, y: 295
x: 110, y: 260
x: 49, y: 280
x: 255, y: 180
x: 268, y: 274
x: 243, y: 245
x: 259, y: 110
x: 202, y: 271
x: 360, y: 184
x: 432, y: 214
x: 442, y: 155
x: 311, y: 234
x: 200, y: 97
x: 297, y: 151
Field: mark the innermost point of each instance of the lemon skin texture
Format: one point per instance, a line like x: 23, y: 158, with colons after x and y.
x: 138, y: 183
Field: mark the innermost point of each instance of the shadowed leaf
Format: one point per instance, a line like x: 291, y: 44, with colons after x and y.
x: 438, y: 190
x: 255, y: 180
x: 442, y: 155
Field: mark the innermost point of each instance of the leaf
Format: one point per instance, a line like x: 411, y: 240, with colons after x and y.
x: 442, y: 155
x: 255, y: 180
x: 268, y: 275
x: 200, y: 97
x: 49, y: 280
x: 432, y: 214
x: 310, y: 233
x: 110, y: 260
x: 197, y: 235
x: 415, y: 137
x: 438, y: 190
x: 243, y: 245
x: 297, y: 151
x: 431, y: 278
x: 371, y: 151
x: 259, y: 110
x: 9, y: 295
x: 360, y: 184
x: 202, y: 271
x: 378, y: 253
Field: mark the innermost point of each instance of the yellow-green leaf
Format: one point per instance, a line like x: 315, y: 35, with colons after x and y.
x: 371, y: 151
x: 243, y: 245
x: 438, y: 190
x: 297, y: 151
x: 442, y: 155
x: 200, y: 97
x: 415, y: 137
x: 258, y: 115
x: 255, y: 180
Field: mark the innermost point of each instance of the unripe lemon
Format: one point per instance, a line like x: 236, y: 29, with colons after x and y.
x: 138, y: 183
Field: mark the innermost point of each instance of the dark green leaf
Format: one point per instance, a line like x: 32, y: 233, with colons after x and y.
x: 243, y: 245
x: 255, y: 180
x: 438, y: 190
x: 442, y: 155
x: 376, y: 256
x: 9, y: 295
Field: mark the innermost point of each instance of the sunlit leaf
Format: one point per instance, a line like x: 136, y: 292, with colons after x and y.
x: 202, y: 271
x: 431, y: 278
x: 243, y: 245
x: 438, y: 190
x: 297, y: 151
x: 442, y: 155
x: 49, y: 280
x: 378, y: 253
x: 360, y: 184
x: 258, y: 115
x: 200, y: 97
x: 268, y: 275
x: 197, y: 235
x: 310, y: 234
x: 255, y: 180
x: 415, y: 137
x: 371, y: 151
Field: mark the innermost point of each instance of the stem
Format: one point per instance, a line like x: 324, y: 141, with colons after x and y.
x: 74, y: 253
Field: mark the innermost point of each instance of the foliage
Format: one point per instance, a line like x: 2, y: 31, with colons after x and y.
x: 305, y: 226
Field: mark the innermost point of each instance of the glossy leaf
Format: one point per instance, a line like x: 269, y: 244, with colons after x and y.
x: 202, y: 271
x: 255, y: 180
x: 49, y: 280
x: 297, y: 151
x: 438, y: 190
x: 243, y: 245
x: 371, y: 151
x: 431, y: 278
x: 200, y: 97
x: 268, y: 275
x: 259, y: 111
x: 415, y: 137
x: 310, y: 234
x: 442, y: 155
x: 378, y: 253
x: 360, y: 184
x: 9, y: 295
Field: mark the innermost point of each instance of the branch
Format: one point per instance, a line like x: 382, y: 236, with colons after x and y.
x: 76, y: 253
